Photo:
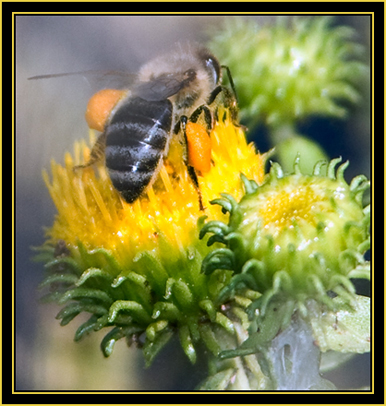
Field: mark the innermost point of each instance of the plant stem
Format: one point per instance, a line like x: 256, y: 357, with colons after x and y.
x: 294, y: 359
x: 238, y: 373
x: 290, y: 362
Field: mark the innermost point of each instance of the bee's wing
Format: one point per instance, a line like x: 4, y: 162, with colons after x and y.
x: 104, y: 79
x: 161, y: 87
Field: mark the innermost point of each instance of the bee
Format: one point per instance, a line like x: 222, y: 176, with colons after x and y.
x: 164, y: 100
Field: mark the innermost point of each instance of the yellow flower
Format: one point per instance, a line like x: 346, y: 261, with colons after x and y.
x: 90, y: 209
x: 138, y: 266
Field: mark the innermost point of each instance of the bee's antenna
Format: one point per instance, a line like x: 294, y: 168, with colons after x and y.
x: 230, y: 81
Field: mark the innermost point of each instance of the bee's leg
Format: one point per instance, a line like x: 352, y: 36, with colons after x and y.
x: 208, y: 116
x: 96, y: 153
x: 191, y: 171
x: 193, y: 176
x: 229, y: 100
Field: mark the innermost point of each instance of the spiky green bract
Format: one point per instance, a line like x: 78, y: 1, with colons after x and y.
x: 158, y: 294
x: 294, y: 239
x: 291, y: 68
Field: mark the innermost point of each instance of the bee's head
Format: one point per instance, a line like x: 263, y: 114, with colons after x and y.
x: 187, y: 76
x: 210, y: 64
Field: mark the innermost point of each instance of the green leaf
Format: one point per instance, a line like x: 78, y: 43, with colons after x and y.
x: 347, y: 330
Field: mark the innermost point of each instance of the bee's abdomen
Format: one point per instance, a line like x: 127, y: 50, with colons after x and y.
x: 136, y: 139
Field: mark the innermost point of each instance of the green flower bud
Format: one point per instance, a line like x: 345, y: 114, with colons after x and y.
x: 292, y: 68
x: 294, y: 238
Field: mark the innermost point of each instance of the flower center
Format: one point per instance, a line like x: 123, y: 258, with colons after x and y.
x: 283, y: 208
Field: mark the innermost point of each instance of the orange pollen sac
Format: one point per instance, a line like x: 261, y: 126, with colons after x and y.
x: 100, y: 106
x: 199, y: 147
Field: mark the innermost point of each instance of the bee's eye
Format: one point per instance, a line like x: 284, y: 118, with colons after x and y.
x: 190, y: 74
x: 213, y: 69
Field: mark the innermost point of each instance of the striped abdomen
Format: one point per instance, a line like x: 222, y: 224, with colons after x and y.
x: 136, y: 139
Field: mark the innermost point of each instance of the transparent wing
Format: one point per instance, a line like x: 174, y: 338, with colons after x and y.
x: 98, y: 78
x: 162, y: 86
x: 156, y: 89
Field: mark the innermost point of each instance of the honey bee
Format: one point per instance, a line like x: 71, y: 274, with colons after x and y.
x: 165, y: 99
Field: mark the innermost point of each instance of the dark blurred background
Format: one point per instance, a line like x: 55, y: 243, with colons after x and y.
x: 49, y: 118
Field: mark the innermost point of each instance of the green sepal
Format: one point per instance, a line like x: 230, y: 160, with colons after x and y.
x: 222, y: 258
x: 209, y: 307
x: 187, y: 343
x: 86, y: 327
x: 80, y: 293
x: 135, y: 310
x: 156, y: 274
x: 219, y: 381
x: 216, y: 227
x: 67, y: 263
x: 63, y: 278
x: 109, y: 340
x: 180, y: 291
x: 152, y: 348
x: 167, y: 311
x: 70, y: 311
x: 110, y: 264
x: 238, y: 281
x: 93, y: 273
x: 155, y: 328
x: 209, y: 338
x: 250, y: 186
